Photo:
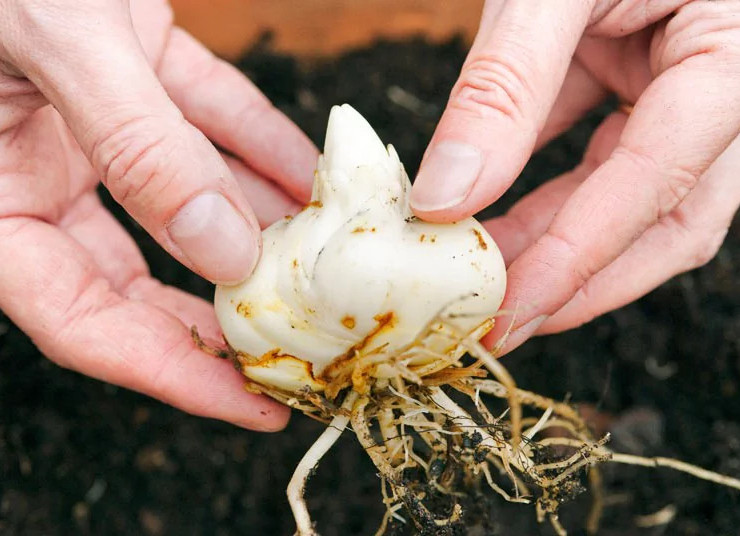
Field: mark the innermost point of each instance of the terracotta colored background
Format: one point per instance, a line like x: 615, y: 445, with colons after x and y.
x: 321, y: 27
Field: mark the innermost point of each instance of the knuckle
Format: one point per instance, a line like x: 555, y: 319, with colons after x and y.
x: 618, y: 18
x: 201, y: 65
x: 35, y: 14
x: 490, y: 85
x: 133, y: 159
x: 706, y: 10
x: 581, y: 264
x: 700, y: 245
x: 587, y: 300
x: 32, y: 18
x: 679, y: 182
x: 671, y: 182
x: 706, y: 248
x: 704, y: 28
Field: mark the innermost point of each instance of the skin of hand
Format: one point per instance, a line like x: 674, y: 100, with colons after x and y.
x: 97, y: 90
x: 657, y: 188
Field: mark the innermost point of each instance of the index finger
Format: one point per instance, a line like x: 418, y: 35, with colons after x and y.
x: 232, y: 112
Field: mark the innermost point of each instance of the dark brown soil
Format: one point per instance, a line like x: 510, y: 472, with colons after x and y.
x: 81, y: 457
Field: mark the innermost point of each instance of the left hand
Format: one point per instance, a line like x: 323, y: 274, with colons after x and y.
x: 114, y: 83
x: 657, y: 188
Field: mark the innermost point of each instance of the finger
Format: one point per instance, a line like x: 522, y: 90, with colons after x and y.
x: 687, y: 238
x: 42, y: 169
x: 269, y: 201
x: 226, y: 106
x: 112, y: 249
x: 19, y: 98
x: 679, y: 126
x: 498, y: 106
x: 620, y: 65
x: 118, y: 259
x: 620, y: 18
x: 152, y: 21
x: 86, y: 60
x: 579, y: 94
x: 528, y: 219
x: 188, y: 309
x: 75, y: 318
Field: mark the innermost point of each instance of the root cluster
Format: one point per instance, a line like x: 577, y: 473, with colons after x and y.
x: 430, y: 435
x: 425, y: 444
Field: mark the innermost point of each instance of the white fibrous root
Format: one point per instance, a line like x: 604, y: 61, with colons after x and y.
x: 359, y: 314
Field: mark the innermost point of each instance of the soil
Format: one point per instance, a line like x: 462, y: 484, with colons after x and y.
x: 78, y: 456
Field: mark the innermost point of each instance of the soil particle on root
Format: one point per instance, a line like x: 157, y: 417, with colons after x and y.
x: 674, y: 353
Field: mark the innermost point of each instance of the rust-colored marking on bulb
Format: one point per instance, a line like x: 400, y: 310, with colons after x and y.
x: 481, y: 241
x: 340, y: 371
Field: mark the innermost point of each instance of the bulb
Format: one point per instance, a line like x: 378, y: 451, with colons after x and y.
x: 356, y: 273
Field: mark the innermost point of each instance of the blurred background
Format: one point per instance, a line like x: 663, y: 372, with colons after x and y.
x: 321, y: 27
x: 78, y: 456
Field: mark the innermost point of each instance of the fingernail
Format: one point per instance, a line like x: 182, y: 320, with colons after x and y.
x: 521, y: 334
x: 447, y: 175
x: 218, y: 241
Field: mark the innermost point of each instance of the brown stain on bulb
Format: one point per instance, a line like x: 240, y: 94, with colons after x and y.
x: 481, y: 241
x: 275, y: 358
x: 340, y: 371
x: 349, y: 322
x: 313, y: 204
x: 244, y: 309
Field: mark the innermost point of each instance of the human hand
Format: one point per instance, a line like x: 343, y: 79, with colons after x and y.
x: 70, y: 276
x: 657, y: 187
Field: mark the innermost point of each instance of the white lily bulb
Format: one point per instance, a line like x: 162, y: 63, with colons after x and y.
x: 355, y: 271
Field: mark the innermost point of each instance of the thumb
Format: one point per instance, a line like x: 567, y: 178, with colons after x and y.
x: 506, y: 88
x: 85, y: 58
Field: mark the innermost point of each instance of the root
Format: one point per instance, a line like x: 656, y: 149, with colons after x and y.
x: 677, y: 465
x: 501, y: 448
x: 478, y: 351
x: 431, y: 446
x: 297, y: 484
